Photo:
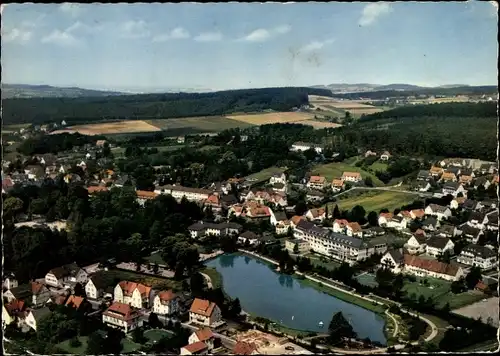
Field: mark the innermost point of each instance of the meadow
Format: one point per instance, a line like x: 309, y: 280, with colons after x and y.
x: 200, y: 124
x: 117, y: 127
x: 265, y: 174
x: 335, y: 170
x: 272, y: 118
x: 375, y: 200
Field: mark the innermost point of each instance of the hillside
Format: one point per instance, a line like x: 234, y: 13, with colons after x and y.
x: 154, y: 106
x: 362, y: 88
x: 47, y: 91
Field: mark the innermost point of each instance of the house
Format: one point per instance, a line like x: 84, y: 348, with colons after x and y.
x: 385, y: 156
x: 166, y: 303
x: 470, y: 233
x: 491, y: 220
x: 122, y: 180
x: 66, y: 275
x: 278, y: 178
x: 457, y: 202
x: 178, y: 192
x: 453, y: 169
x: 439, y: 211
x: 303, y: 146
x: 470, y: 204
x: 34, y: 292
x: 136, y: 294
x: 9, y: 281
x: 482, y: 181
x: 198, y: 348
x: 373, y: 231
x: 283, y: 227
x: 384, y: 218
x: 95, y: 287
x: 32, y: 317
x: 313, y: 195
x: 100, y: 143
x: 181, y: 139
x: 423, y: 175
x: 245, y: 348
x: 448, y: 177
x: 417, y: 214
x: 144, y: 195
x: 393, y: 260
x: 249, y: 236
x: 370, y: 153
x: 263, y: 197
x: 421, y: 186
x: 122, y: 316
x: 202, y: 228
x: 479, y: 256
x: 437, y: 245
x: 421, y: 267
x: 204, y: 312
x: 476, y: 219
x: 75, y: 301
x: 204, y: 335
x: 337, y: 185
x: 465, y: 179
x: 353, y: 177
x: 353, y: 229
x: 279, y: 188
x: 316, y: 182
x: 318, y: 214
x: 278, y: 217
x: 436, y: 171
x: 416, y: 244
x: 454, y: 188
x: 7, y: 185
x: 430, y: 224
x: 397, y: 222
x: 7, y: 319
x: 294, y: 221
x: 494, y: 180
x: 339, y: 226
x: 448, y: 231
x: 213, y: 201
x: 302, y: 245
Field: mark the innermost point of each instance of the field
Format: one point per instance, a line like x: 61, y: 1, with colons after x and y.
x: 199, y: 124
x: 265, y: 174
x: 128, y: 346
x: 155, y: 335
x: 119, y: 127
x: 335, y: 170
x: 375, y: 200
x: 378, y: 166
x: 273, y: 118
x: 339, y: 107
x: 319, y: 124
x: 484, y: 309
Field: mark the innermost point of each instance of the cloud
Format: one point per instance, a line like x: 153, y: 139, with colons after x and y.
x: 134, y: 29
x: 177, y: 33
x: 73, y: 10
x: 373, y: 11
x: 209, y: 37
x: 61, y: 38
x: 316, y: 45
x: 262, y: 34
x: 18, y: 35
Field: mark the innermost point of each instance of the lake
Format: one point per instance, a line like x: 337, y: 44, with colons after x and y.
x: 285, y: 299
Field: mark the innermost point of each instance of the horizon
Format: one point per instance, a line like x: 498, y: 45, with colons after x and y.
x: 144, y: 47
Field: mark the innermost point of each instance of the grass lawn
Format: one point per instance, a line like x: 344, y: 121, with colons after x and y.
x: 335, y: 170
x: 367, y: 279
x: 265, y: 174
x: 372, y: 200
x: 128, y: 346
x: 215, y: 276
x: 155, y: 258
x: 155, y: 282
x: 379, y: 166
x: 157, y: 334
x: 327, y: 263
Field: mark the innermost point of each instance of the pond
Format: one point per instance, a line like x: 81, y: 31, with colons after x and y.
x: 287, y: 300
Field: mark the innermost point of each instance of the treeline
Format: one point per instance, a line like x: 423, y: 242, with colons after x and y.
x: 487, y: 109
x: 383, y: 94
x: 55, y: 143
x: 154, y: 106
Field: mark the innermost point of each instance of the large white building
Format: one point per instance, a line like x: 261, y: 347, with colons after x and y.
x: 135, y: 294
x: 479, y: 256
x: 64, y: 275
x: 303, y: 146
x: 338, y: 246
x: 178, y: 192
x: 122, y: 316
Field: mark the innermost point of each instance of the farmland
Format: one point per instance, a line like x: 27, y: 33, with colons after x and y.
x: 375, y: 200
x: 265, y: 174
x: 199, y: 124
x: 318, y: 124
x: 335, y: 170
x: 338, y: 107
x: 118, y: 127
x: 273, y: 118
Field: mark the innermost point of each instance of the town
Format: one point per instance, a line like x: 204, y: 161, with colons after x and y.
x: 144, y: 213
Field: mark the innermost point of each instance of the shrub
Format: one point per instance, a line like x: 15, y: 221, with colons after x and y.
x: 75, y: 342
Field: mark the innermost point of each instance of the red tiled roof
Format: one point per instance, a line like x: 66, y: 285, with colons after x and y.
x: 317, y: 179
x: 386, y: 215
x: 37, y: 287
x: 244, y: 348
x: 351, y: 174
x: 354, y: 227
x: 15, y: 306
x: 419, y: 213
x: 196, y: 347
x: 204, y: 334
x: 121, y: 311
x: 341, y: 222
x: 166, y: 296
x: 431, y: 265
x: 129, y: 287
x: 202, y: 307
x: 74, y: 301
x: 96, y: 189
x: 144, y: 194
x: 317, y: 212
x: 337, y: 182
x: 296, y: 218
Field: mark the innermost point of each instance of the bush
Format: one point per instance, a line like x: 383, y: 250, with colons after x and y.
x: 75, y: 342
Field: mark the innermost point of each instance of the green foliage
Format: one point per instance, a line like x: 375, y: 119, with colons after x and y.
x: 153, y: 106
x: 339, y: 329
x: 54, y: 143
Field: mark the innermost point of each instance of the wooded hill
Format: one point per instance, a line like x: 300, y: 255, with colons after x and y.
x: 154, y: 106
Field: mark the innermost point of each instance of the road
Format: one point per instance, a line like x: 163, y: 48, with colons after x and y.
x: 386, y: 189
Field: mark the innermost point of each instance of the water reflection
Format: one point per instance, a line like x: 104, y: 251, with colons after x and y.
x: 247, y: 259
x: 227, y: 261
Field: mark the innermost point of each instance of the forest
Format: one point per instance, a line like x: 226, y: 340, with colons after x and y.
x: 383, y: 94
x: 154, y: 106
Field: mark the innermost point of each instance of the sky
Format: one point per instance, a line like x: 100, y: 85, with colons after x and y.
x: 238, y: 45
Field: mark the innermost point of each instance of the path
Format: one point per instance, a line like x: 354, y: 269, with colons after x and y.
x: 208, y: 280
x: 434, y: 329
x: 396, y: 324
x: 385, y: 189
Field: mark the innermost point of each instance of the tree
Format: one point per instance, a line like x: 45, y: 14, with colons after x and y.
x: 296, y: 248
x: 358, y: 214
x: 235, y: 307
x: 473, y: 277
x: 339, y: 329
x: 197, y: 284
x: 95, y: 343
x: 79, y: 290
x: 372, y: 218
x: 12, y: 206
x: 156, y: 268
x: 336, y: 212
x: 369, y: 181
x: 138, y: 335
x: 154, y: 321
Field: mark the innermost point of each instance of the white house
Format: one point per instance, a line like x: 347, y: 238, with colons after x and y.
x: 204, y: 312
x: 439, y: 211
x: 166, y: 303
x: 318, y: 214
x: 316, y: 182
x: 385, y: 156
x: 178, y: 192
x: 454, y: 188
x: 278, y: 178
x: 64, y: 275
x: 6, y: 318
x: 479, y: 256
x: 37, y: 294
x: 353, y: 177
x: 10, y: 282
x: 33, y: 316
x: 95, y: 287
x: 393, y: 260
x: 303, y: 146
x: 339, y: 226
x: 384, y: 218
x: 302, y: 245
x: 416, y: 244
x: 354, y: 229
x: 397, y: 222
x: 437, y: 245
x: 135, y: 294
x: 337, y: 185
x: 204, y: 335
x: 122, y: 316
x: 198, y: 348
